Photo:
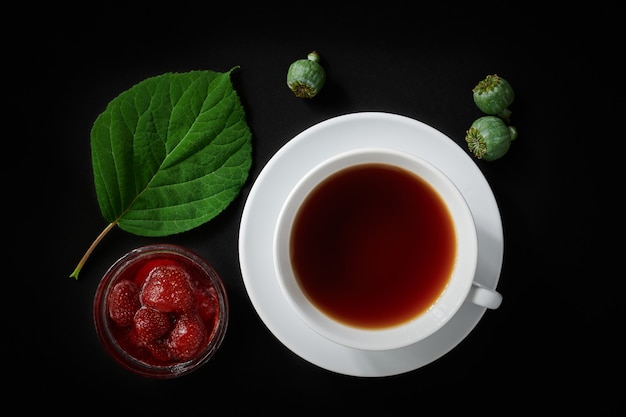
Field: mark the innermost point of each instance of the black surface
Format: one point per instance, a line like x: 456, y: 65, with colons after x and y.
x: 552, y: 345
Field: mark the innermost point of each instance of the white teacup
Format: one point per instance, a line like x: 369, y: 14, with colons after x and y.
x: 376, y: 249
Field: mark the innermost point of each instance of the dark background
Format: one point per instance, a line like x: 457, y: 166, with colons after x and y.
x: 555, y: 344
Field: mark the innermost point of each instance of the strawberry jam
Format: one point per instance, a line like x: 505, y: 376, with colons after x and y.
x: 161, y: 311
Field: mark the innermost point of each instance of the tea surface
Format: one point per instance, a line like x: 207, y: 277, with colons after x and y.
x: 373, y: 246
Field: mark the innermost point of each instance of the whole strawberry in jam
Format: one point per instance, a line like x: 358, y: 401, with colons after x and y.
x: 123, y: 302
x: 168, y: 288
x: 187, y: 337
x: 149, y: 325
x: 206, y: 302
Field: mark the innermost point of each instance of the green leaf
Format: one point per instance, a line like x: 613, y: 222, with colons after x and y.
x: 170, y: 153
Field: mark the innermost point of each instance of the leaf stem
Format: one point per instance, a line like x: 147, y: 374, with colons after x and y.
x: 90, y: 250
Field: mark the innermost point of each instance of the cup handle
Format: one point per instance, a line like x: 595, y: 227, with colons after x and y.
x: 484, y: 297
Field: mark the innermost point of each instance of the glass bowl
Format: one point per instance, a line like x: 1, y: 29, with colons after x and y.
x: 161, y: 311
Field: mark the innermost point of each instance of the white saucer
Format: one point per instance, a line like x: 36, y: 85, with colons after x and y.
x: 289, y: 164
